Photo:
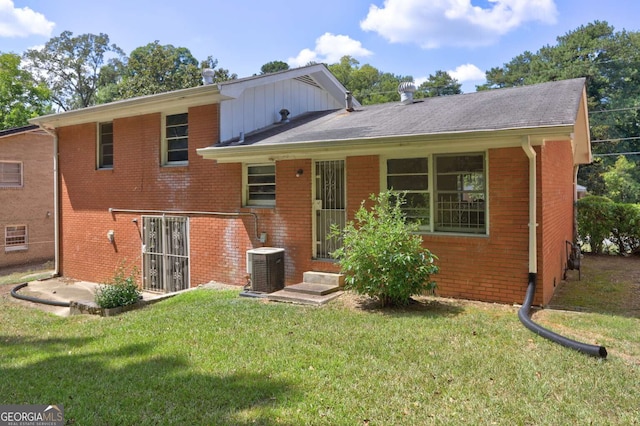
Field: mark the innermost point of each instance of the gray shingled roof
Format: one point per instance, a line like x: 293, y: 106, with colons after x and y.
x: 539, y: 105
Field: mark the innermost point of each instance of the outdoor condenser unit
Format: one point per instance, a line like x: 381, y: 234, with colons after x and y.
x: 266, y: 267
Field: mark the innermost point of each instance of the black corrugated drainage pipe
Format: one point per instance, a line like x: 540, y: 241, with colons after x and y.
x: 14, y: 293
x: 523, y: 314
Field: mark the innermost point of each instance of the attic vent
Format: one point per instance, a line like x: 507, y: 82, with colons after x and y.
x: 207, y: 76
x: 406, y: 90
x: 308, y: 80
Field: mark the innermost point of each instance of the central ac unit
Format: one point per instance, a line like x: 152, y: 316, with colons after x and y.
x: 266, y: 267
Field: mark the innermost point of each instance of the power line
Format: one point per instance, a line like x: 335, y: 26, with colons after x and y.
x: 617, y: 153
x: 615, y: 110
x: 616, y: 139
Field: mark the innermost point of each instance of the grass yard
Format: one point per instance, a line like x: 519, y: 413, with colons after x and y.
x: 210, y: 357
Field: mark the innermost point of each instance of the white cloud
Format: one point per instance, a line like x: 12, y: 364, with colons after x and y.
x: 436, y: 23
x: 330, y: 48
x: 22, y: 22
x: 467, y: 72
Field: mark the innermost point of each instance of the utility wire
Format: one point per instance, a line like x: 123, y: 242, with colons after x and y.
x: 617, y: 139
x: 614, y: 110
x: 617, y: 153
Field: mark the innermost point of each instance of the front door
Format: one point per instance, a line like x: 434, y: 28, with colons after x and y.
x: 329, y: 207
x: 165, y: 253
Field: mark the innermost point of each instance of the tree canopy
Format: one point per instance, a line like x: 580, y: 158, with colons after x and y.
x: 70, y: 67
x: 367, y: 83
x: 156, y: 68
x: 21, y: 97
x: 440, y: 84
x: 610, y: 62
x: 273, y: 66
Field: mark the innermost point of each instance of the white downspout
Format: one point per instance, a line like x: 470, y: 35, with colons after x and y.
x: 56, y: 203
x: 533, y: 243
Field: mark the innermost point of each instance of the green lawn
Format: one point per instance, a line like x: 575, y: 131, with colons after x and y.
x: 210, y: 357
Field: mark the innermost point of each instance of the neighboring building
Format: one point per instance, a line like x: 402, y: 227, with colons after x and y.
x: 182, y: 184
x: 26, y: 196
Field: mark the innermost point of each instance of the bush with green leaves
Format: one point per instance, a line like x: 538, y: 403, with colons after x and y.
x: 122, y: 290
x: 594, y: 222
x: 381, y: 256
x: 600, y: 219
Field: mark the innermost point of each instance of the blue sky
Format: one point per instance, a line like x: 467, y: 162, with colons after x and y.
x: 404, y: 37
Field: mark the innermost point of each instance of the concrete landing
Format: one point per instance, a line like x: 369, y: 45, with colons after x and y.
x: 307, y: 293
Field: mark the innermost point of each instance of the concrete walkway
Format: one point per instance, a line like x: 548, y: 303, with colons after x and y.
x: 67, y: 290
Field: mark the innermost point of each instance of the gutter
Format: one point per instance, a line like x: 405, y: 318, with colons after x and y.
x: 523, y: 313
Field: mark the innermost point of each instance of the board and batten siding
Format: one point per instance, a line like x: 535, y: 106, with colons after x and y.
x: 259, y: 107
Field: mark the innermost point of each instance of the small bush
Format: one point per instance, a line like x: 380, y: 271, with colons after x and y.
x: 381, y: 257
x: 121, y: 291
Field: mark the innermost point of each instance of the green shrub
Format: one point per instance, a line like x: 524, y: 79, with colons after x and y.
x: 381, y: 257
x: 121, y: 291
x: 599, y: 218
x: 626, y: 230
x: 594, y: 220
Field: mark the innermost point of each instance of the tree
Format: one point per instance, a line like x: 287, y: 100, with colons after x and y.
x: 368, y: 84
x: 21, y: 98
x: 621, y: 185
x: 609, y: 61
x: 156, y: 68
x: 273, y: 66
x: 70, y: 66
x: 440, y: 84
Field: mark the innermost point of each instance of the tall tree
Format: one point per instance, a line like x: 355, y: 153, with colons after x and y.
x: 21, y: 98
x: 70, y: 66
x: 367, y: 83
x: 609, y: 61
x: 621, y: 185
x: 273, y: 66
x: 440, y: 84
x: 156, y: 68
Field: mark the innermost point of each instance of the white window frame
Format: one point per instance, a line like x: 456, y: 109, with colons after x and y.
x: 432, y: 226
x: 465, y: 194
x: 246, y: 196
x: 101, y: 144
x: 21, y: 238
x: 426, y: 225
x: 5, y: 181
x: 166, y: 139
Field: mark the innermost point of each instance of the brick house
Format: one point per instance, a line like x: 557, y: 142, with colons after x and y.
x: 26, y: 196
x: 182, y: 184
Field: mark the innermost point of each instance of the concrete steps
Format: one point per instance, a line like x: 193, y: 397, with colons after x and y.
x: 317, y: 288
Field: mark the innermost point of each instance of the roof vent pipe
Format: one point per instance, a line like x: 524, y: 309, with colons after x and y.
x: 406, y: 90
x: 284, y: 115
x: 207, y: 76
x: 348, y: 98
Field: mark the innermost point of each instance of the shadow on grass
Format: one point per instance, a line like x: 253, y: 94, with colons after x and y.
x: 422, y: 306
x: 133, y: 385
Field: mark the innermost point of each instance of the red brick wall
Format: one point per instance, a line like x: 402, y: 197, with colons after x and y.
x: 494, y: 267
x: 31, y: 204
x: 491, y: 267
x: 555, y: 207
x: 137, y: 182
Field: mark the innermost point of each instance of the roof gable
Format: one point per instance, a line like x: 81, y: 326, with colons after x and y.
x: 317, y: 74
